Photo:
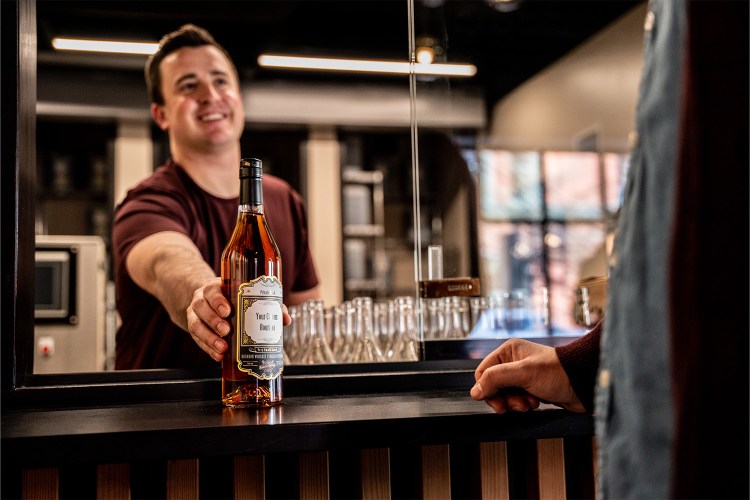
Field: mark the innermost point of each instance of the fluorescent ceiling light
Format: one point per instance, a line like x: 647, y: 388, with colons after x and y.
x: 279, y: 61
x: 105, y: 46
x: 365, y: 66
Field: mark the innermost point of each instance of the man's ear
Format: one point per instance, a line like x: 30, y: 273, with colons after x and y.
x: 160, y: 118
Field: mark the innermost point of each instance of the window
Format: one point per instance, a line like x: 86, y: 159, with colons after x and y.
x: 544, y: 218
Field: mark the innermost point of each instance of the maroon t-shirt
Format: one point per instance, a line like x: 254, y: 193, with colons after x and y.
x: 169, y: 200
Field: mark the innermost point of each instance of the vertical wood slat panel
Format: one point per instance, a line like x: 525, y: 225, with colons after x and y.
x: 436, y: 473
x: 313, y: 475
x: 182, y: 479
x: 493, y: 463
x: 551, y: 466
x: 113, y: 482
x: 41, y: 484
x: 249, y: 477
x: 375, y: 473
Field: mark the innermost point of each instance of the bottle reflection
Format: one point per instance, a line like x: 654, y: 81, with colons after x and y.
x: 269, y: 415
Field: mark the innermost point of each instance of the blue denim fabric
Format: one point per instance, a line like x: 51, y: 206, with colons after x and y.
x: 633, y: 404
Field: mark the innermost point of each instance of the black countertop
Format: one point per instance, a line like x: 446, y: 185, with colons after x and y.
x: 119, y: 417
x: 397, y: 408
x: 186, y: 429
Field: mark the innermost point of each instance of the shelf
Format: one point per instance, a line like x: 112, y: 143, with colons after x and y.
x: 354, y: 285
x: 353, y: 176
x: 366, y: 266
x: 363, y: 230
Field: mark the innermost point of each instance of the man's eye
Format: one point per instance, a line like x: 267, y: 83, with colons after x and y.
x: 187, y: 87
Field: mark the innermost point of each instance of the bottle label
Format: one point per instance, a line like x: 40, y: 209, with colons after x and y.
x: 260, y: 347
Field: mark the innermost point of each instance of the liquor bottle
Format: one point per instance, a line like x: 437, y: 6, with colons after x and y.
x: 251, y: 281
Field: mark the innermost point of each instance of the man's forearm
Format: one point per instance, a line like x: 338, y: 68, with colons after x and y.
x: 178, y: 272
x: 169, y: 266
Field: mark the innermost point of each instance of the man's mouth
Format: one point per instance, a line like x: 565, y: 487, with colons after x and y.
x: 210, y: 117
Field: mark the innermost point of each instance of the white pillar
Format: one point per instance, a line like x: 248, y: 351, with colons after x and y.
x: 134, y: 155
x: 323, y: 198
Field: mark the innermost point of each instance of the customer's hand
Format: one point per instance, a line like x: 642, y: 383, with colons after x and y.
x: 206, y: 319
x: 519, y: 374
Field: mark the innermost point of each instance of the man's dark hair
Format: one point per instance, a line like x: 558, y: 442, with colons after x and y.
x: 188, y: 35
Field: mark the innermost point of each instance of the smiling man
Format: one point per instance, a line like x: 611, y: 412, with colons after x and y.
x: 170, y: 230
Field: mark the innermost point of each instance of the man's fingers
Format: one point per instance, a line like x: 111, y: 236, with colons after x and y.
x: 518, y: 400
x: 512, y: 400
x: 491, y: 359
x: 499, y: 377
x: 511, y: 350
x: 211, y: 343
x: 216, y: 300
x: 497, y: 404
x: 287, y: 319
x: 206, y: 339
x: 211, y: 308
x: 206, y: 326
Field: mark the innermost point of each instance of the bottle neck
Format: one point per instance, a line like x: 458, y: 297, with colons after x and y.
x: 251, y: 195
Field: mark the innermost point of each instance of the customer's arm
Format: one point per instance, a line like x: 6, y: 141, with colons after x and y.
x: 519, y: 374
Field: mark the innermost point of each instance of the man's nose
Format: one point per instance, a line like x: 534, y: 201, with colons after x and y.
x: 208, y: 93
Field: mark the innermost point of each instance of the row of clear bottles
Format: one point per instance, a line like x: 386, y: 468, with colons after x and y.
x: 356, y: 331
x: 364, y: 331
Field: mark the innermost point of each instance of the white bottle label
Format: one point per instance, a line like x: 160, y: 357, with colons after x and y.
x: 260, y: 347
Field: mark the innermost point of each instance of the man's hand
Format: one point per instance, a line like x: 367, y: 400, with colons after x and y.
x: 206, y: 319
x: 169, y: 266
x: 520, y: 374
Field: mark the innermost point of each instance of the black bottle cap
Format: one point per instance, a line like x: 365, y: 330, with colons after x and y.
x: 251, y: 175
x: 251, y: 168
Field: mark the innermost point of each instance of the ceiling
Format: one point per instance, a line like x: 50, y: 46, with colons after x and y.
x: 507, y: 47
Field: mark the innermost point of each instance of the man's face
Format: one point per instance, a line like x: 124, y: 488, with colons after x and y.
x: 203, y: 106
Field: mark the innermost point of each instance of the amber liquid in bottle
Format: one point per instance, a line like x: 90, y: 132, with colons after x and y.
x: 251, y: 281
